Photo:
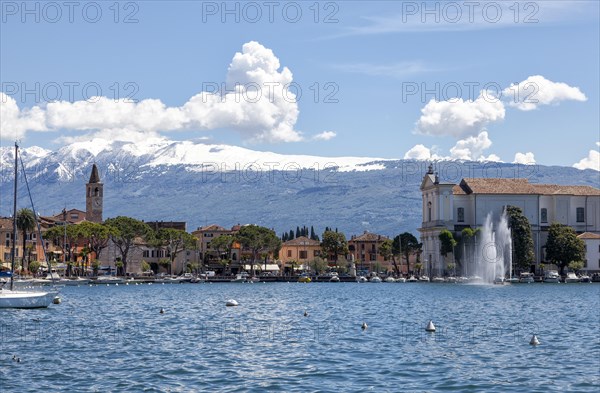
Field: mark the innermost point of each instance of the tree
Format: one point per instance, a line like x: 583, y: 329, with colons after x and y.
x: 522, y: 240
x: 257, y: 239
x: 334, y: 243
x: 386, y: 252
x: 125, y: 231
x: 221, y: 244
x: 405, y: 245
x: 95, y: 235
x: 59, y: 234
x: 175, y: 241
x: 447, y: 242
x: 318, y: 265
x: 563, y: 246
x: 25, y: 224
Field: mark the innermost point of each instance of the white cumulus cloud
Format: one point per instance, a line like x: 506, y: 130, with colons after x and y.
x: 14, y: 123
x: 420, y: 152
x: 256, y: 103
x: 592, y: 161
x: 537, y: 90
x: 458, y: 117
x: 325, y: 136
x: 524, y: 158
x: 472, y: 148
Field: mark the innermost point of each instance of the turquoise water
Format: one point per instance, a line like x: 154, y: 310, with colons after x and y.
x: 108, y: 339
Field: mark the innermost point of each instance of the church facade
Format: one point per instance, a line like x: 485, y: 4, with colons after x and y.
x: 467, y: 204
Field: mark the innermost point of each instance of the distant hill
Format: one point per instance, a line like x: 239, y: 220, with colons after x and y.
x: 203, y: 184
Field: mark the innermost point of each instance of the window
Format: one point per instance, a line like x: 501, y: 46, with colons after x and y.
x: 373, y: 257
x: 428, y: 211
x: 544, y: 215
x: 316, y: 253
x: 8, y: 243
x: 460, y: 214
x: 372, y: 248
x: 8, y: 235
x: 146, y: 254
x: 289, y: 253
x: 303, y: 254
x: 74, y: 216
x: 580, y: 214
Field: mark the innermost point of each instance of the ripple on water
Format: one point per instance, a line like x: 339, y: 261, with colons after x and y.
x: 114, y: 339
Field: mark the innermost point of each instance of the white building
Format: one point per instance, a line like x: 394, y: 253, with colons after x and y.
x: 467, y: 204
x: 592, y: 251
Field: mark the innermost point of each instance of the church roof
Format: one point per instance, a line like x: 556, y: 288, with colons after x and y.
x: 518, y: 186
x: 94, y: 177
x: 589, y: 235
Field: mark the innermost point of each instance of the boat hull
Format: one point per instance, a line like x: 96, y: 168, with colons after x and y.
x: 26, y: 299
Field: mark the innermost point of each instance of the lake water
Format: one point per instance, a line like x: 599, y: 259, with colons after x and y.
x: 108, y: 339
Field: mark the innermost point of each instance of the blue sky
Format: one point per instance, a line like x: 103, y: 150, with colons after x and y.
x: 363, y: 58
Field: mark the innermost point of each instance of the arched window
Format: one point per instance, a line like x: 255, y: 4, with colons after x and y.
x: 428, y: 211
x: 96, y: 191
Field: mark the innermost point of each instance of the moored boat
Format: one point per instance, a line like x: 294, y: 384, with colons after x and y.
x: 571, y: 278
x: 551, y: 276
x: 526, y: 278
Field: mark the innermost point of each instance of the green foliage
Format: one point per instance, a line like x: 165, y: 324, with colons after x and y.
x: 447, y: 242
x: 386, y: 249
x: 576, y: 265
x: 222, y: 244
x: 334, y: 243
x: 34, y: 266
x: 145, y: 266
x: 522, y: 239
x: 258, y: 240
x: 95, y: 234
x: 563, y: 246
x: 25, y: 224
x: 124, y: 231
x: 318, y: 265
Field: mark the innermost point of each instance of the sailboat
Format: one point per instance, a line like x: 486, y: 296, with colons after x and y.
x: 11, y: 298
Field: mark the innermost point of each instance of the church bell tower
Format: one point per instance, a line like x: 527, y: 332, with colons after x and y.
x: 93, y: 197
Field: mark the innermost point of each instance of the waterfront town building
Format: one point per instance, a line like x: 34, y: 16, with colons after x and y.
x: 466, y: 205
x: 298, y: 254
x: 592, y: 251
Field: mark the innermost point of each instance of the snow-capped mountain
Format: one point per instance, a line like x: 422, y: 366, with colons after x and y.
x: 208, y: 183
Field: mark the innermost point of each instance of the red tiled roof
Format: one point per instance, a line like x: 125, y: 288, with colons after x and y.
x: 518, y: 186
x: 302, y: 241
x: 368, y: 237
x: 589, y: 235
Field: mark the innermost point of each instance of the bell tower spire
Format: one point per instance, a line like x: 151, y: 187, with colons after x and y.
x: 93, y: 197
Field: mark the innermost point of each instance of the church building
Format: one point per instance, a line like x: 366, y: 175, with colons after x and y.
x: 466, y: 205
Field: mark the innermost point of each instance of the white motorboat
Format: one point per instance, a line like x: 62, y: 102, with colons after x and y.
x: 585, y: 278
x: 412, y: 279
x: 361, y: 279
x: 334, y: 278
x: 390, y: 279
x: 552, y: 276
x: 499, y: 280
x: 451, y: 280
x: 526, y: 278
x: 241, y: 277
x: 401, y: 279
x: 438, y: 279
x: 109, y: 280
x: 375, y: 279
x: 26, y: 299
x: 74, y: 282
x: 571, y: 278
x: 424, y: 279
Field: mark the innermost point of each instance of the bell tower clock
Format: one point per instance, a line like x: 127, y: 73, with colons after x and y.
x: 93, y: 197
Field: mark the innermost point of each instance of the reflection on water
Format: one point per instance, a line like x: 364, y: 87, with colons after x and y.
x: 114, y: 338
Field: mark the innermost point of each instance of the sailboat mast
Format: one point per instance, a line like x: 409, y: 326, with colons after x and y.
x: 14, y: 239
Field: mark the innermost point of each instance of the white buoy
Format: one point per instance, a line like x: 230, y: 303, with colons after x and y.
x: 56, y: 300
x: 231, y: 303
x: 430, y: 327
x: 305, y: 313
x: 364, y: 326
x: 162, y: 310
x: 534, y: 340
